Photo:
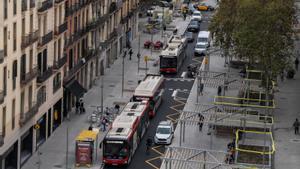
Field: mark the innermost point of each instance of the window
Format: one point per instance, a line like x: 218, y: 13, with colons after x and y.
x: 14, y: 73
x: 22, y: 104
x: 59, y: 48
x: 4, y: 80
x: 15, y: 37
x: 23, y: 27
x: 31, y: 23
x: 5, y: 40
x: 15, y: 7
x: 30, y: 97
x: 30, y: 59
x: 13, y: 110
x: 5, y: 9
x: 45, y: 24
x: 54, y: 57
x: 3, y: 121
x: 56, y: 82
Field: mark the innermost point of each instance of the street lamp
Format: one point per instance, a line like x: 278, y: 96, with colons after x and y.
x: 139, y: 54
x: 123, y: 58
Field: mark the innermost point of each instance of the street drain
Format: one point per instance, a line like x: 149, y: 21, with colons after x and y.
x: 57, y: 166
x: 112, y: 85
x: 295, y: 140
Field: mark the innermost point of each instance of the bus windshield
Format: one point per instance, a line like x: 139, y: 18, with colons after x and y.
x: 115, y: 149
x: 168, y: 62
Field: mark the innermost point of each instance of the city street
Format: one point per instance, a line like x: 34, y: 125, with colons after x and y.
x: 169, y: 108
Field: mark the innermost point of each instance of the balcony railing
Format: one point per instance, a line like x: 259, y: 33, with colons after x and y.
x: 29, y: 76
x: 60, y: 62
x: 24, y: 5
x: 1, y: 56
x: 45, y: 6
x: 58, y: 1
x: 72, y: 9
x: 61, y: 28
x: 113, y: 7
x: 29, y: 39
x: 74, y: 70
x: 41, y: 96
x: 25, y: 117
x: 2, y: 96
x: 76, y: 36
x: 98, y: 22
x: 42, y: 77
x: 46, y: 39
x: 32, y: 3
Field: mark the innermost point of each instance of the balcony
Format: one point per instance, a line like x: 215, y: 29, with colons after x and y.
x: 72, y: 9
x: 46, y: 39
x: 28, y: 77
x: 42, y: 77
x: 25, y: 117
x: 113, y: 7
x: 32, y: 3
x: 76, y: 36
x: 1, y: 56
x: 29, y: 39
x: 2, y: 96
x: 98, y: 22
x: 58, y: 1
x: 41, y: 96
x: 90, y: 53
x: 24, y: 5
x: 113, y: 34
x: 74, y: 70
x: 60, y: 62
x: 45, y: 6
x: 61, y: 28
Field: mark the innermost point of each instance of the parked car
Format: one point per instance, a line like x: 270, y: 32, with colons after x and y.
x: 201, y: 49
x: 189, y: 36
x: 197, y: 16
x: 164, y: 133
x: 204, y: 7
x: 194, y: 26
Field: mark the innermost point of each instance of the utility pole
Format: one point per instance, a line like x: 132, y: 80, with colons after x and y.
x: 123, y: 58
x: 163, y: 22
x: 139, y: 54
x: 102, y: 100
x: 67, y: 146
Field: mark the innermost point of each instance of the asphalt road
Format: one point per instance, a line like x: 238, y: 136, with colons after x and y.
x: 168, y: 110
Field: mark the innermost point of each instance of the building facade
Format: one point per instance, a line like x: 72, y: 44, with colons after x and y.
x: 48, y: 48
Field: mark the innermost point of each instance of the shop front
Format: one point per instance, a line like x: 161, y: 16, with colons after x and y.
x: 26, y: 145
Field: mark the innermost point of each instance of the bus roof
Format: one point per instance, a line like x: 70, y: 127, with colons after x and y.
x: 122, y: 126
x: 174, y: 46
x: 135, y: 108
x: 148, y: 86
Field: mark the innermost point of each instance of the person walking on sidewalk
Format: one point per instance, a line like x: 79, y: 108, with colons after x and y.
x: 296, y: 63
x: 77, y: 105
x: 130, y: 53
x: 296, y: 126
x: 82, y: 109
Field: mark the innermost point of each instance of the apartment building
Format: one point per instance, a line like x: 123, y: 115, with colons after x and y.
x: 51, y: 51
x: 98, y: 31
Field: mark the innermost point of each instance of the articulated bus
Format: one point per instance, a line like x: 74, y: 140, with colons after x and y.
x: 150, y: 89
x: 172, y: 57
x: 127, y: 130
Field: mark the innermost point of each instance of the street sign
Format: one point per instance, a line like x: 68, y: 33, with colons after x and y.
x: 146, y: 58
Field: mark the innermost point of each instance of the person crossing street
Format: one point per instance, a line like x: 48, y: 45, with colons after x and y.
x: 296, y: 126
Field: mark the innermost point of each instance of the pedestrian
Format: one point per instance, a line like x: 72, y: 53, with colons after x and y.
x: 184, y: 15
x: 82, y: 109
x: 130, y: 53
x: 282, y: 75
x: 201, y: 88
x: 200, y: 123
x: 296, y: 126
x: 77, y: 104
x: 103, y: 123
x: 219, y: 90
x: 117, y: 107
x: 296, y: 63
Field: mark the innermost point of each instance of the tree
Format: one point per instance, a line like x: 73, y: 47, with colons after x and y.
x: 257, y: 30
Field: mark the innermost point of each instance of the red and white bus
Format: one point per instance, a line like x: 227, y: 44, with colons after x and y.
x: 150, y: 89
x: 172, y: 57
x: 127, y: 130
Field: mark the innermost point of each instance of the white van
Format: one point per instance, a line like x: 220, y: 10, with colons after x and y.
x: 204, y: 37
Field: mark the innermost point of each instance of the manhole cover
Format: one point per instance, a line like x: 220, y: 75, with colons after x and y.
x: 295, y: 140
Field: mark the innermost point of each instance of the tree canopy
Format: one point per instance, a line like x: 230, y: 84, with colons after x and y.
x: 256, y: 30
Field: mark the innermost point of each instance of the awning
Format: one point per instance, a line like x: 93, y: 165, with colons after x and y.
x: 75, y: 88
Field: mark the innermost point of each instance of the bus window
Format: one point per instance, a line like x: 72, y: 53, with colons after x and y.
x: 168, y: 62
x: 115, y: 149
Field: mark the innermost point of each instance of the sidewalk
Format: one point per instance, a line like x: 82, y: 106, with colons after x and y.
x: 54, y: 149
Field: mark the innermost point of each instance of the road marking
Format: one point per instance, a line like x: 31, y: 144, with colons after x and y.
x: 158, y: 152
x: 152, y: 159
x: 171, y: 89
x: 183, y: 75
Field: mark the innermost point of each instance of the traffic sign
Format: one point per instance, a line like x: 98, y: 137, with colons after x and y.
x: 146, y: 58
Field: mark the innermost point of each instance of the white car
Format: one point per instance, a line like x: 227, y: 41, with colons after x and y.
x: 201, y: 49
x: 164, y: 133
x: 197, y: 16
